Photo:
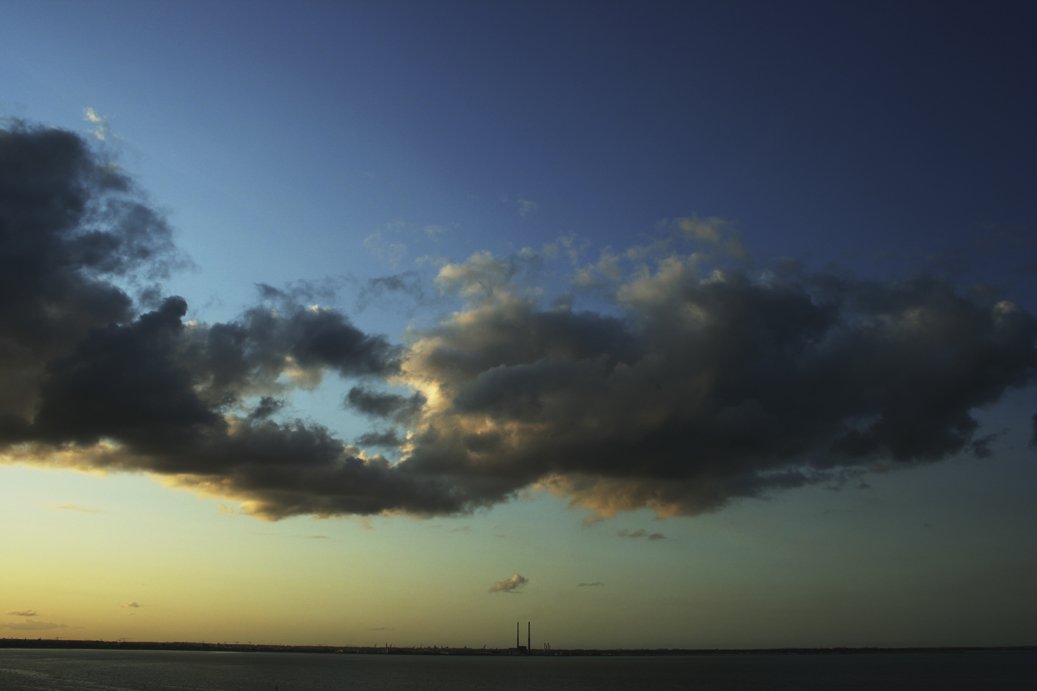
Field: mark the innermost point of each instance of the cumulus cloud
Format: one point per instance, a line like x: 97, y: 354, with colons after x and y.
x: 693, y: 384
x: 592, y: 584
x: 641, y: 532
x: 89, y: 381
x: 511, y: 584
x: 23, y: 613
x: 703, y: 386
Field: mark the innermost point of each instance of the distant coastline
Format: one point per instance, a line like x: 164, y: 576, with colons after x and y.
x: 67, y: 644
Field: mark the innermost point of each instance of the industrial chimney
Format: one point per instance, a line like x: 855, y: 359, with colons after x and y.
x: 529, y: 641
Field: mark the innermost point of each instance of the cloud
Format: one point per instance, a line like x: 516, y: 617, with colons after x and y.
x: 88, y: 381
x: 35, y: 626
x: 23, y: 613
x: 381, y: 439
x: 706, y: 385
x: 511, y: 584
x: 99, y: 124
x: 695, y: 382
x: 523, y: 206
x: 382, y: 245
x: 133, y: 605
x: 526, y: 207
x: 482, y: 273
x: 641, y: 532
x: 384, y: 405
x: 711, y: 231
x: 382, y: 289
x: 77, y: 508
x: 592, y: 584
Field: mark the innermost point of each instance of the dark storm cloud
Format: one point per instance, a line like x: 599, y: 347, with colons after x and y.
x: 68, y: 224
x: 86, y: 381
x: 702, y: 389
x: 695, y: 388
x: 267, y: 407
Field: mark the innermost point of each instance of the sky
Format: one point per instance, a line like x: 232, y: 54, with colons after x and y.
x: 688, y: 324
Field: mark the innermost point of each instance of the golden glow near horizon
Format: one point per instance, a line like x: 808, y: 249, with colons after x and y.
x: 88, y: 547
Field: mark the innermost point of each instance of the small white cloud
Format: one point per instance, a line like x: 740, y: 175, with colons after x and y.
x: 100, y: 129
x: 511, y: 584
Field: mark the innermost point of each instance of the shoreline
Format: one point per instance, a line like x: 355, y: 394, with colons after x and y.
x: 62, y: 644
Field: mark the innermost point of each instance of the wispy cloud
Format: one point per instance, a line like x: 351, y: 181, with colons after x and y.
x: 592, y: 584
x: 523, y: 206
x: 383, y: 246
x: 641, y: 533
x: 23, y: 613
x: 511, y: 584
x: 133, y: 605
x: 35, y: 626
x: 76, y: 507
x: 526, y: 207
x: 99, y: 124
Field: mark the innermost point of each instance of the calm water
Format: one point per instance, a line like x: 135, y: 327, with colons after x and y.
x: 107, y: 670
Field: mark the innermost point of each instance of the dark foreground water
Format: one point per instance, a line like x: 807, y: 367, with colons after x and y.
x: 110, y: 670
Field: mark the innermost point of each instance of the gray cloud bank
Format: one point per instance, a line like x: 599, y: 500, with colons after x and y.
x: 695, y: 387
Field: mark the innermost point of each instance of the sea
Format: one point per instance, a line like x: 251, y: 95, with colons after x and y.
x: 128, y: 670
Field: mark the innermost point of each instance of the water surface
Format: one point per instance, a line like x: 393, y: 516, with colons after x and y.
x: 129, y: 670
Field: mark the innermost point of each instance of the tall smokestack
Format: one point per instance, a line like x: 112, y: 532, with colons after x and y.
x: 516, y: 635
x: 529, y: 641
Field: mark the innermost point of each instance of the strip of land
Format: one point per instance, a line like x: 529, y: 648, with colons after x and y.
x: 67, y: 644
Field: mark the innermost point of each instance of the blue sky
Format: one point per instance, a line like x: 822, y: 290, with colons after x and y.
x: 513, y: 161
